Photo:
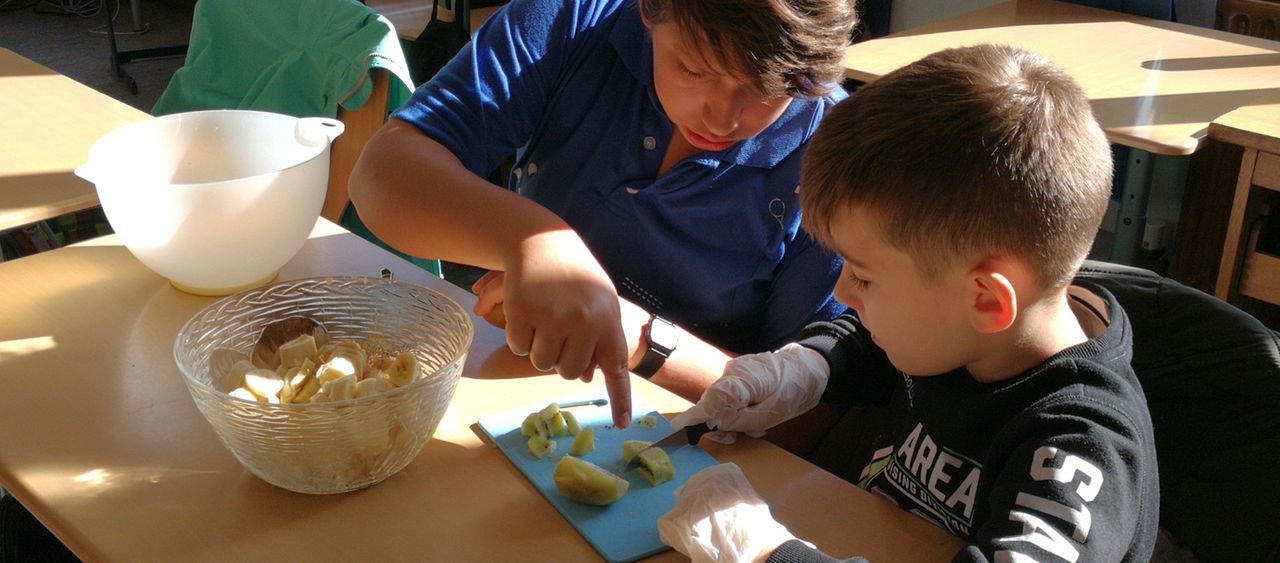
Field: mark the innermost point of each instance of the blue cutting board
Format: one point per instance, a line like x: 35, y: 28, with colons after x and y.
x: 625, y: 530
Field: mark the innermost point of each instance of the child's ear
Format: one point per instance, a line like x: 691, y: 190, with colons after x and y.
x: 994, y: 304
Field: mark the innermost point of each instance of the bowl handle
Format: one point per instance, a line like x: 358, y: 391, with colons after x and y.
x: 313, y: 131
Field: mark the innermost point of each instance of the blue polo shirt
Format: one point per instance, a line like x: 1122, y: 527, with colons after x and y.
x: 714, y: 244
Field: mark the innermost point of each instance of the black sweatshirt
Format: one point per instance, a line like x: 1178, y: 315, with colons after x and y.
x: 1055, y: 464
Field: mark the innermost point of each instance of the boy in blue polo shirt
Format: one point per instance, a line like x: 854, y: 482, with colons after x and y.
x: 963, y: 191
x: 658, y: 147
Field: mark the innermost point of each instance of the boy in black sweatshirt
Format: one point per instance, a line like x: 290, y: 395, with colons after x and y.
x: 963, y: 192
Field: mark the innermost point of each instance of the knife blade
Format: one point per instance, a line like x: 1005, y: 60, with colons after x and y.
x: 586, y: 403
x: 687, y: 435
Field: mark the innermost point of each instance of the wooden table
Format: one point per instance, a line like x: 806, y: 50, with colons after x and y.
x: 1155, y: 86
x: 101, y: 440
x: 50, y: 123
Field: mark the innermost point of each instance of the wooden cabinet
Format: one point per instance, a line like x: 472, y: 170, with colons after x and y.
x: 1244, y: 267
x: 1245, y: 270
x: 1258, y: 18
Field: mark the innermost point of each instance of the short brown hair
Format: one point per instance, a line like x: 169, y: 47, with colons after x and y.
x: 966, y: 153
x: 789, y: 47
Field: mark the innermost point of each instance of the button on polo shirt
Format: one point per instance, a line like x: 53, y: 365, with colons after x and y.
x: 714, y: 244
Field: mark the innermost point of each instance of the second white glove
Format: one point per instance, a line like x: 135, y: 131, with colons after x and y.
x: 719, y: 518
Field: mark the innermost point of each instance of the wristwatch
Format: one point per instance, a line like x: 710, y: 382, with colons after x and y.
x: 659, y: 337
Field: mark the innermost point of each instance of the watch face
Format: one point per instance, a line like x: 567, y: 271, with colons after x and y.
x: 662, y: 335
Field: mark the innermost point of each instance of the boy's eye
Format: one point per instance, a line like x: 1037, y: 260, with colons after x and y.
x: 690, y: 73
x: 858, y: 283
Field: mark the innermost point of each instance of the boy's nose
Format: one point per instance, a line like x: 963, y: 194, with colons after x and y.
x: 721, y: 117
x: 845, y: 294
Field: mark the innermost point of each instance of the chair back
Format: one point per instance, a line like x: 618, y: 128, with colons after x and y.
x: 1211, y: 375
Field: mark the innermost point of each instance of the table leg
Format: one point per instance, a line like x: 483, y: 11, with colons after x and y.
x: 1134, y: 194
x: 136, y: 11
x: 119, y: 58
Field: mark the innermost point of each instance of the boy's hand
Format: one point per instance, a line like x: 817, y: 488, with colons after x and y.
x: 562, y: 312
x: 759, y: 391
x: 488, y: 291
x: 719, y: 517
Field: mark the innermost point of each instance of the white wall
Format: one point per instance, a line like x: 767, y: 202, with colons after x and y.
x: 912, y: 13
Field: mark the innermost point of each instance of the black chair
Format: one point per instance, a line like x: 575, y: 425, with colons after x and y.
x: 1211, y: 375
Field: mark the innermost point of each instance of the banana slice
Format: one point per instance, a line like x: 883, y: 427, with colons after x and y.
x: 242, y: 393
x: 404, y: 370
x: 293, y: 352
x: 264, y: 384
x: 346, y: 371
x: 335, y: 368
x: 340, y: 389
x: 372, y: 386
x: 353, y: 353
x: 290, y: 376
x: 304, y: 390
x: 233, y: 377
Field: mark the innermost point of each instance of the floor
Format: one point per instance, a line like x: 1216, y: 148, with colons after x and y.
x: 75, y: 44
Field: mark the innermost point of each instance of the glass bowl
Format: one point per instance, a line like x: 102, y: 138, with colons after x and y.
x: 337, y: 446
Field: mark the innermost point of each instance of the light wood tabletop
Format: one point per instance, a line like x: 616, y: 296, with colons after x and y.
x: 101, y: 440
x: 1154, y: 85
x: 50, y: 123
x: 1255, y: 125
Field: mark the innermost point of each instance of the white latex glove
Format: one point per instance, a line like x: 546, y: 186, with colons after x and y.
x: 758, y: 392
x: 718, y: 517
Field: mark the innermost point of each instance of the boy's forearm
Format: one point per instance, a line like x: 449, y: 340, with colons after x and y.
x: 860, y: 372
x: 414, y: 194
x: 690, y: 370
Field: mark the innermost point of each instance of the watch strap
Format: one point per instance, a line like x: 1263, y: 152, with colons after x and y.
x: 650, y: 363
x: 653, y: 358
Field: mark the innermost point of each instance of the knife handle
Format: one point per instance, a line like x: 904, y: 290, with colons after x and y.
x: 695, y: 431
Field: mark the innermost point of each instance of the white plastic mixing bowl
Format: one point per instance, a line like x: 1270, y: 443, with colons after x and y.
x: 215, y: 201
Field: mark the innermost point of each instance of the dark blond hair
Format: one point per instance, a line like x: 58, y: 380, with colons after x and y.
x: 787, y: 47
x: 964, y: 154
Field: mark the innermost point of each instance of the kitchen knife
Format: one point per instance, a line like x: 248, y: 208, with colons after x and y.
x: 687, y: 435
